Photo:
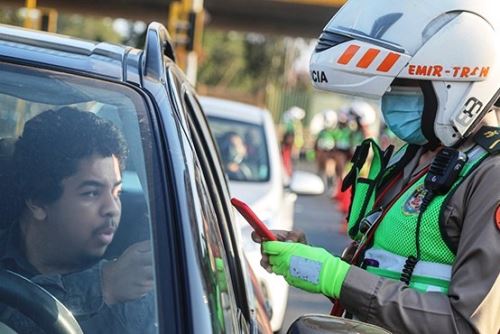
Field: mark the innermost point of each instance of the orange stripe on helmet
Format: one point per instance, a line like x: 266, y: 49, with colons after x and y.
x: 346, y: 57
x: 368, y: 58
x: 388, y: 62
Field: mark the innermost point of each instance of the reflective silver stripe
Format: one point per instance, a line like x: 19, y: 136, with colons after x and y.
x: 475, y: 153
x: 394, y: 262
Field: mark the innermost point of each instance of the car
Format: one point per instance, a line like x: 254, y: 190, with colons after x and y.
x: 174, y: 189
x: 256, y: 176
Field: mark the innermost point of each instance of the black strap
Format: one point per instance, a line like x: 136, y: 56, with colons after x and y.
x: 398, y: 166
x: 488, y: 137
x: 358, y: 160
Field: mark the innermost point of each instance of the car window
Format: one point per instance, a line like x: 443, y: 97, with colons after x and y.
x: 243, y: 149
x: 27, y: 94
x: 219, y: 283
x: 211, y: 250
x: 235, y: 266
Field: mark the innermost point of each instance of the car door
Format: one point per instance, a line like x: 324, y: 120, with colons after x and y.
x: 238, y: 266
x: 248, y: 291
x: 217, y: 243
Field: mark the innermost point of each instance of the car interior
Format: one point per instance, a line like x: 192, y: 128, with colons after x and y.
x: 252, y: 136
x: 25, y: 93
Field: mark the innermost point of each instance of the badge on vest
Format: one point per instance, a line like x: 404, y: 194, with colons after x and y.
x: 412, y: 205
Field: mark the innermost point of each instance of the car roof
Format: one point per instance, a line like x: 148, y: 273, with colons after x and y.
x: 228, y: 109
x: 55, y: 50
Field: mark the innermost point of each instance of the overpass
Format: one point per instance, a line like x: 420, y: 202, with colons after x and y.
x: 304, y: 18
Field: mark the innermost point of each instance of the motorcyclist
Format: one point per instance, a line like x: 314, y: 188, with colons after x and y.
x: 325, y: 144
x: 364, y: 120
x: 358, y: 120
x: 427, y: 220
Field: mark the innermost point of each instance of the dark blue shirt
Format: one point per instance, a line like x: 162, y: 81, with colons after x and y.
x: 80, y: 292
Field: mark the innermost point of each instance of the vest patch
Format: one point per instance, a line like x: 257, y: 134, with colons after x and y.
x: 412, y: 205
x: 305, y: 269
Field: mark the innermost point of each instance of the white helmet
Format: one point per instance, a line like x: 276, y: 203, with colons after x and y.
x: 329, y: 118
x: 325, y: 119
x: 362, y: 112
x: 294, y: 114
x: 451, y: 48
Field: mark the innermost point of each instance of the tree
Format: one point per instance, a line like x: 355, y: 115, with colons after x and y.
x: 241, y: 61
x: 98, y: 29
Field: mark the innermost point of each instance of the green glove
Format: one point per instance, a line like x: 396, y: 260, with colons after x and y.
x: 308, y: 268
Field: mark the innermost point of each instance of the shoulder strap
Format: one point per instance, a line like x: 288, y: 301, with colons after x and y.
x: 396, y: 164
x: 488, y: 137
x: 475, y: 156
x: 363, y: 188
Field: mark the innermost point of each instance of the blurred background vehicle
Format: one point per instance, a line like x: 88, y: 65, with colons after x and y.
x: 246, y: 137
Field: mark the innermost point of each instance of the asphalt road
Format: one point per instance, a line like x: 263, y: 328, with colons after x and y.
x: 322, y: 223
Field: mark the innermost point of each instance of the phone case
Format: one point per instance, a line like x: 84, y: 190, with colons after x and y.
x: 259, y: 227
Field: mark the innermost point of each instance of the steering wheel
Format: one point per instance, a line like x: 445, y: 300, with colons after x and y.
x: 36, y: 303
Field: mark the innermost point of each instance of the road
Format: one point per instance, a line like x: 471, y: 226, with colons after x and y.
x: 318, y: 217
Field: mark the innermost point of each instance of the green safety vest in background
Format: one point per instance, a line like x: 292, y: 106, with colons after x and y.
x: 326, y: 139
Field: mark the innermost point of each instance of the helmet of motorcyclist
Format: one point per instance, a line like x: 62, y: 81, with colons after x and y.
x: 329, y: 118
x: 325, y: 119
x: 435, y: 64
x: 361, y: 111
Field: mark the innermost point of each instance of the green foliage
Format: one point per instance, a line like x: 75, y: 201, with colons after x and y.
x: 10, y: 16
x: 222, y: 60
x: 93, y: 28
x: 98, y: 29
x: 241, y: 61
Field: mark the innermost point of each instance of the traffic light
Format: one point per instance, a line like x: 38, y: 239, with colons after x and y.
x: 40, y: 18
x: 48, y: 19
x: 185, y: 25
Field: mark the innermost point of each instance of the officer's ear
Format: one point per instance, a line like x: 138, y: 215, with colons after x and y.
x: 36, y: 209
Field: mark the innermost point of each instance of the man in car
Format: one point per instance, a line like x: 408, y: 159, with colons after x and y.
x: 234, y: 153
x: 67, y: 168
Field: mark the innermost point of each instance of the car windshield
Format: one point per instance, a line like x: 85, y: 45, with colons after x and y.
x: 243, y: 149
x: 99, y: 214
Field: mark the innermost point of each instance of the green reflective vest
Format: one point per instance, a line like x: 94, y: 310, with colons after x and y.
x: 395, y: 238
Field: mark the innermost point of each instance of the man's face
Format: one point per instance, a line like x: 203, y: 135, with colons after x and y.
x: 239, y: 150
x: 82, y: 222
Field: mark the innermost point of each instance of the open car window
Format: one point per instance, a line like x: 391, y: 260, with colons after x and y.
x: 26, y: 92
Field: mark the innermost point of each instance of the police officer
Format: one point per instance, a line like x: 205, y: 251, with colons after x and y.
x: 426, y: 220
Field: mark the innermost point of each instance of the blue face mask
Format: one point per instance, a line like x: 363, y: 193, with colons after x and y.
x: 402, y: 109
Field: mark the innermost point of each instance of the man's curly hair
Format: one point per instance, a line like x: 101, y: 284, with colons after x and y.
x: 52, y: 145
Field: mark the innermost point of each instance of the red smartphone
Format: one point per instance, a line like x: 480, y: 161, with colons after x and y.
x: 259, y: 227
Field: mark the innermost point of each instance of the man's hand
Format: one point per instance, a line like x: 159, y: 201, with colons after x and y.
x: 130, y: 276
x: 308, y: 268
x: 281, y: 235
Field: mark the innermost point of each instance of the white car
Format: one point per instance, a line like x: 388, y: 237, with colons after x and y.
x: 249, y: 151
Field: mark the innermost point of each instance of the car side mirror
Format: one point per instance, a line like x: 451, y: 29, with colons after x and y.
x: 306, y: 183
x: 321, y: 324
